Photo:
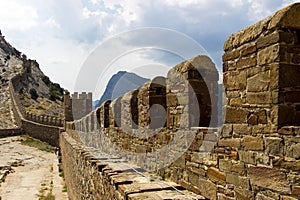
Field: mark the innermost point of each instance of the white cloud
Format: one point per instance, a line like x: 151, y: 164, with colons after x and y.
x: 87, y: 13
x: 258, y: 10
x: 52, y: 23
x: 17, y: 16
x: 287, y: 2
x: 95, y: 2
x: 74, y: 28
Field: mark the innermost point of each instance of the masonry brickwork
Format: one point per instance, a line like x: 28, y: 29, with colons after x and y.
x: 255, y: 155
x: 81, y: 104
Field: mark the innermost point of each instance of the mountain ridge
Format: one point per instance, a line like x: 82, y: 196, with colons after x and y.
x: 119, y: 84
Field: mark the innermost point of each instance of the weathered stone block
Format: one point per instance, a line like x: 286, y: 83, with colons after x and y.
x: 259, y: 97
x: 270, y: 178
x: 249, y: 49
x: 262, y: 117
x: 268, y: 55
x: 274, y: 146
x: 198, y: 171
x: 235, y: 115
x: 227, y: 130
x: 267, y: 40
x: 208, y: 189
x: 248, y: 157
x: 230, y: 55
x: 253, y: 143
x: 296, y: 190
x: 260, y: 196
x: 236, y: 142
x: 193, y: 178
x: 252, y: 120
x: 239, y: 168
x: 230, y: 166
x: 235, y: 80
x: 286, y: 131
x: 242, y: 194
x: 241, y: 129
x: 274, y: 76
x: 215, y: 175
x: 246, y: 62
x: 225, y: 165
x: 293, y: 151
x: 236, y: 102
x: 259, y: 82
x: 224, y: 197
x: 295, y: 165
x: 237, y: 180
x: 287, y: 198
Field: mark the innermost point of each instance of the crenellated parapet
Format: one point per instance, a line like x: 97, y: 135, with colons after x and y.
x: 77, y: 105
x: 129, y: 111
x: 254, y: 155
x: 44, y: 119
x: 192, y: 94
x: 188, y: 97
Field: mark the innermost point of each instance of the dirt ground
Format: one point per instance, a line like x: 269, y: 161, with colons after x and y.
x: 28, y: 173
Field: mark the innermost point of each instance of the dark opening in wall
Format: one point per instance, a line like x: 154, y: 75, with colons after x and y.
x: 117, y: 112
x: 298, y: 37
x: 98, y: 115
x: 158, y: 90
x: 106, y: 117
x: 134, y: 110
x: 157, y: 103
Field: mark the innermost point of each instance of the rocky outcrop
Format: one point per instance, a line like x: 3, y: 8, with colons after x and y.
x: 12, y: 63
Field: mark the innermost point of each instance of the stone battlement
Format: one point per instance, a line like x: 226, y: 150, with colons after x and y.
x: 169, y: 126
x: 254, y: 155
x: 78, y: 105
x: 43, y: 119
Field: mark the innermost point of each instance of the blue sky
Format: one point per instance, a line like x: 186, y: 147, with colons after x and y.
x: 61, y: 35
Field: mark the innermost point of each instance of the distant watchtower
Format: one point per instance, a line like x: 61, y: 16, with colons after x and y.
x: 77, y: 106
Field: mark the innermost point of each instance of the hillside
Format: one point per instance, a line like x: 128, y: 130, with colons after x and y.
x: 37, y: 93
x: 119, y: 84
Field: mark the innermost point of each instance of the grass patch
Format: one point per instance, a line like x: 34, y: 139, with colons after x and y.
x: 64, y: 189
x: 43, y: 146
x: 49, y: 196
x: 27, y: 105
x: 40, y: 108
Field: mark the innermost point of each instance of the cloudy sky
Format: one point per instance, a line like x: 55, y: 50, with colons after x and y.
x: 61, y: 35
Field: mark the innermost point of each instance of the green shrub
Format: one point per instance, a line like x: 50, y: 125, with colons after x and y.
x: 55, y: 91
x: 33, y: 94
x: 46, y: 80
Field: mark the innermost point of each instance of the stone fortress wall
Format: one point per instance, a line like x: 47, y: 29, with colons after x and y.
x: 256, y: 153
x: 42, y: 119
x: 45, y: 128
x: 82, y: 102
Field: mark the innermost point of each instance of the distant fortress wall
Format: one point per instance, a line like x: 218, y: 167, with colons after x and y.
x: 255, y: 155
x: 45, y: 128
